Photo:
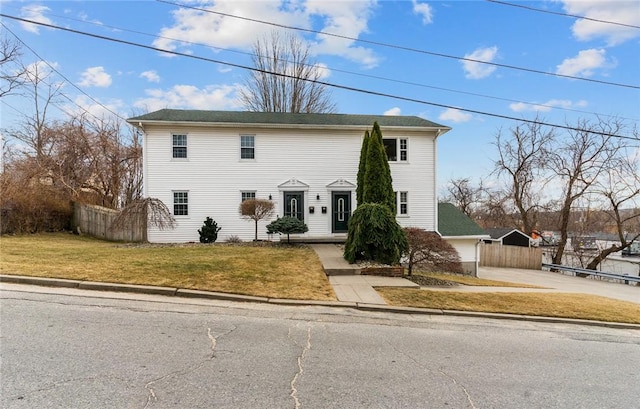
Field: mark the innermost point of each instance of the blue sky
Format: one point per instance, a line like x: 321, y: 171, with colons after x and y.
x: 130, y: 80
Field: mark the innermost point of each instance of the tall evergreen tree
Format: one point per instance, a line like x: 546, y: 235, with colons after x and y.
x: 374, y: 232
x: 362, y: 168
x: 378, y: 184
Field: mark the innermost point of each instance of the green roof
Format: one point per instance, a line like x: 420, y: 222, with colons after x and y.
x: 452, y: 222
x: 247, y: 117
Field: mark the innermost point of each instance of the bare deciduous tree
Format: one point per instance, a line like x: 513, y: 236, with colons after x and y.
x: 11, y: 70
x: 620, y: 189
x: 286, y: 78
x: 431, y: 251
x: 578, y: 161
x: 521, y: 159
x: 147, y: 211
x: 256, y: 210
x: 464, y: 195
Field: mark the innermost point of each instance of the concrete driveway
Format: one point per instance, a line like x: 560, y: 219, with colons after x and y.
x: 563, y: 283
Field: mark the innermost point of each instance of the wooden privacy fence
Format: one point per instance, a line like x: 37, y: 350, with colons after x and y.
x: 96, y: 221
x: 492, y: 255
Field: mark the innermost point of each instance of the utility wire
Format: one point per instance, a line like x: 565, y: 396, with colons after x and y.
x: 66, y: 79
x: 359, y: 74
x: 328, y: 84
x: 399, y: 47
x: 557, y: 13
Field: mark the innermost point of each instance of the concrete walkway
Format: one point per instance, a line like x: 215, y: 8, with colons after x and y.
x: 350, y: 286
x: 558, y: 282
x: 346, y: 280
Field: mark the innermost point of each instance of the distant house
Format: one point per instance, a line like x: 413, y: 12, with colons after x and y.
x: 463, y: 234
x: 205, y: 163
x: 508, y: 237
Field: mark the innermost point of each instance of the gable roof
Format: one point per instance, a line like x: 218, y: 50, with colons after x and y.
x: 452, y: 222
x: 281, y: 118
x: 500, y: 232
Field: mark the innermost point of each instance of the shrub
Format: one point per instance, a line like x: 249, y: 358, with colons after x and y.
x: 287, y: 225
x: 429, y: 250
x: 374, y: 234
x: 209, y: 232
x: 234, y: 239
x: 256, y: 210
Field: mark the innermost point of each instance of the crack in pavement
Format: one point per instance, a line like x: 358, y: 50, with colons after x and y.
x: 151, y: 396
x: 307, y: 347
x: 420, y: 364
x: 473, y: 406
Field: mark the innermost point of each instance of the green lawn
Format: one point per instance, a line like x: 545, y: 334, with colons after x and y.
x: 266, y: 270
x: 293, y: 272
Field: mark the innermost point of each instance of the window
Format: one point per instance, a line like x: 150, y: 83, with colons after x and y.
x: 403, y: 149
x: 180, y: 146
x: 391, y: 149
x: 403, y: 204
x: 394, y: 146
x: 181, y: 203
x: 246, y: 195
x: 247, y: 147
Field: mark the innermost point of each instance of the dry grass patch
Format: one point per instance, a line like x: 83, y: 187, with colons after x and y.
x: 266, y: 271
x: 475, y: 281
x: 561, y: 305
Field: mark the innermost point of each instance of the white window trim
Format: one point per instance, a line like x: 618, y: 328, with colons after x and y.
x: 255, y: 194
x: 398, y: 150
x: 172, y: 146
x: 399, y: 203
x: 173, y: 202
x: 240, y: 148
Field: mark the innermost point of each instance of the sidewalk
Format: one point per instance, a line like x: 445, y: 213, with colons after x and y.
x: 347, y: 282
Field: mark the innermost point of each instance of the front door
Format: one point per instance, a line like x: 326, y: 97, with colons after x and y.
x: 294, y: 205
x: 341, y: 209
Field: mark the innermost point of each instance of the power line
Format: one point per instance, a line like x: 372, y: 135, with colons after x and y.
x: 66, y: 79
x: 557, y: 13
x: 359, y: 74
x: 399, y: 47
x: 328, y: 84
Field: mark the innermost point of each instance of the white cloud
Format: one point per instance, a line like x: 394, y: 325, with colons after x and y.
x: 151, y: 76
x: 395, y: 111
x: 424, y: 10
x: 36, y: 13
x: 95, y: 77
x: 475, y: 70
x: 584, y: 63
x: 323, y: 70
x: 346, y: 18
x: 83, y: 104
x: 547, y: 106
x: 626, y: 12
x: 227, y: 32
x: 454, y: 115
x: 212, y: 97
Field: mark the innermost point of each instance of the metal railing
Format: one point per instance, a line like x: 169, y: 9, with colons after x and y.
x: 576, y: 270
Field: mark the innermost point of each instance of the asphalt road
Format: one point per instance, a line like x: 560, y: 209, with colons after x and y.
x: 63, y: 348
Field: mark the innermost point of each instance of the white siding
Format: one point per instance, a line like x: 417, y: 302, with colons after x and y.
x: 214, y: 175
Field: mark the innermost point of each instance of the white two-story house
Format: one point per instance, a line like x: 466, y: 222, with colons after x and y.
x: 204, y: 163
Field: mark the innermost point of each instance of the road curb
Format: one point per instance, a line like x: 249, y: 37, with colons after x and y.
x: 186, y: 293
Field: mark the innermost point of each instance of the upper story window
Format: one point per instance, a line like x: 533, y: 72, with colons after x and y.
x: 247, y: 147
x: 397, y: 149
x: 180, y: 203
x: 180, y: 146
x: 247, y: 194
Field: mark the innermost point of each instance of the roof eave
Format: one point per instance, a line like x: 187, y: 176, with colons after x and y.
x: 142, y: 123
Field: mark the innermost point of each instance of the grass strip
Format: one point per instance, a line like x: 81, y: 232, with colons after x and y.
x: 560, y: 305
